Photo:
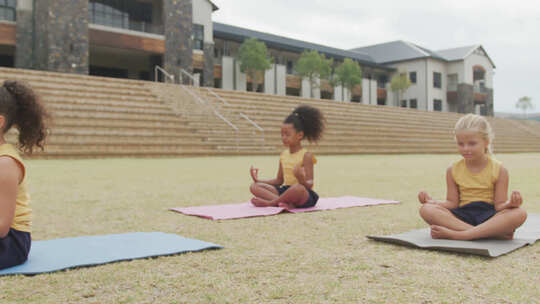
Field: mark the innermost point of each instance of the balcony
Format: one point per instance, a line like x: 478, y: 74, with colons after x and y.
x: 131, y: 25
x: 125, y: 14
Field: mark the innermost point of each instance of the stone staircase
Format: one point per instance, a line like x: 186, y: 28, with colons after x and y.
x: 106, y: 117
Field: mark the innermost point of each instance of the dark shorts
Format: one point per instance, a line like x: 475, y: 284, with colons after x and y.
x: 312, y: 200
x: 14, y: 248
x: 474, y: 213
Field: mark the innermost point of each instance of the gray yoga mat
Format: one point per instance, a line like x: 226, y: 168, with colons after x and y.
x: 60, y: 254
x: 527, y: 234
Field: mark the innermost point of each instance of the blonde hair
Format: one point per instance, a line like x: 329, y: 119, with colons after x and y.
x: 473, y: 122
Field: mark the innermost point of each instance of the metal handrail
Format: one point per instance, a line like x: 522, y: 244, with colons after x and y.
x: 252, y: 122
x: 201, y: 101
x: 194, y: 81
x: 218, y: 97
x: 157, y: 69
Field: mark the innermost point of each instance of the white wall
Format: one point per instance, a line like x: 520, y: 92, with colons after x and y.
x: 373, y: 85
x: 305, y: 89
x: 270, y: 80
x: 338, y: 93
x: 457, y: 67
x: 416, y: 90
x: 476, y: 59
x: 227, y: 73
x: 202, y: 14
x: 435, y: 93
x: 369, y: 91
x: 241, y: 78
x: 281, y: 79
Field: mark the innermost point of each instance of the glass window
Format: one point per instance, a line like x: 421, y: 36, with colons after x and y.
x: 290, y: 67
x: 404, y: 103
x: 125, y: 14
x: 198, y: 37
x: 8, y: 10
x: 413, y: 104
x: 412, y: 77
x: 437, y: 80
x: 437, y: 105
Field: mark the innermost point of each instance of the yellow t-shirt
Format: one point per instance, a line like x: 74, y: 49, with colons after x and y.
x: 23, y: 213
x: 474, y: 187
x: 289, y: 161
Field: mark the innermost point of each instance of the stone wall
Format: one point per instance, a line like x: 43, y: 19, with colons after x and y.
x: 177, y: 18
x: 465, y: 98
x: 208, y: 72
x: 24, y: 46
x: 62, y: 36
x: 489, y: 103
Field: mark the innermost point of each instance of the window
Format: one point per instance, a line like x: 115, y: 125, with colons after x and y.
x: 437, y: 105
x: 404, y: 103
x: 452, y: 82
x: 413, y: 104
x: 437, y: 80
x: 136, y: 16
x: 198, y: 37
x: 290, y: 67
x: 381, y: 81
x: 8, y: 10
x: 412, y: 77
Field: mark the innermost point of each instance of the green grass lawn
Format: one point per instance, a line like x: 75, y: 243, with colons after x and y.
x: 318, y: 257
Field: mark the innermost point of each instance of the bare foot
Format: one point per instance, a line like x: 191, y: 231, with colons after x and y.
x: 440, y: 232
x: 509, y: 236
x: 259, y: 202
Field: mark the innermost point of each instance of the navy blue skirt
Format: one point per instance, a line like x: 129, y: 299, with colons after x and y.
x: 475, y: 213
x: 14, y: 248
x: 312, y: 200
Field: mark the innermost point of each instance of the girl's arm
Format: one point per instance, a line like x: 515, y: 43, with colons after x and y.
x: 452, y: 193
x: 10, y: 175
x: 501, y: 200
x: 305, y: 175
x: 275, y: 181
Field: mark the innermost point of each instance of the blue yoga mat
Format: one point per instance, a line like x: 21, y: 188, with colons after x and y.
x: 60, y: 254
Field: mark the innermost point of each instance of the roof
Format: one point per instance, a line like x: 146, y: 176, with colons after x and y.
x: 239, y: 34
x: 396, y: 51
x: 214, y: 6
x: 461, y: 53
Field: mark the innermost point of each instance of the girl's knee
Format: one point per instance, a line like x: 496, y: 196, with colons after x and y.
x: 253, y: 188
x: 521, y: 215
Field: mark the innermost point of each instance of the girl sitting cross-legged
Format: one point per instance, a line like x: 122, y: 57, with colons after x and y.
x: 293, y: 186
x: 477, y: 204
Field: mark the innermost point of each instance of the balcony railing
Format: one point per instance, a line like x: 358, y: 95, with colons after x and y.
x: 7, y: 13
x: 480, y: 89
x: 132, y: 25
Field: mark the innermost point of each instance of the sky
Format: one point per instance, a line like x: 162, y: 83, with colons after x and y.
x: 509, y: 31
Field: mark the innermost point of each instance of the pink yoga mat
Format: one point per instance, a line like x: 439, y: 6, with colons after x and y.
x: 233, y: 211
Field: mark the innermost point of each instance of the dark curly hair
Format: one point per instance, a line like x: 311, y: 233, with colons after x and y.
x: 309, y: 120
x: 22, y: 108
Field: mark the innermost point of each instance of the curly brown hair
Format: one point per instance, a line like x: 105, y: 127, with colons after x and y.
x: 22, y: 108
x: 309, y: 120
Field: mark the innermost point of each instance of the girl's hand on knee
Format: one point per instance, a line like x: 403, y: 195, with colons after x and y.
x: 254, y: 172
x: 424, y: 198
x: 515, y: 199
x: 299, y: 173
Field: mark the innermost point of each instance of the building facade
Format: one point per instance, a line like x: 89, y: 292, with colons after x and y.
x: 129, y: 38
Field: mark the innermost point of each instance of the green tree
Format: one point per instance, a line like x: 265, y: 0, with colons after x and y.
x: 312, y: 65
x: 399, y: 84
x: 349, y: 75
x: 525, y: 104
x: 254, y: 60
